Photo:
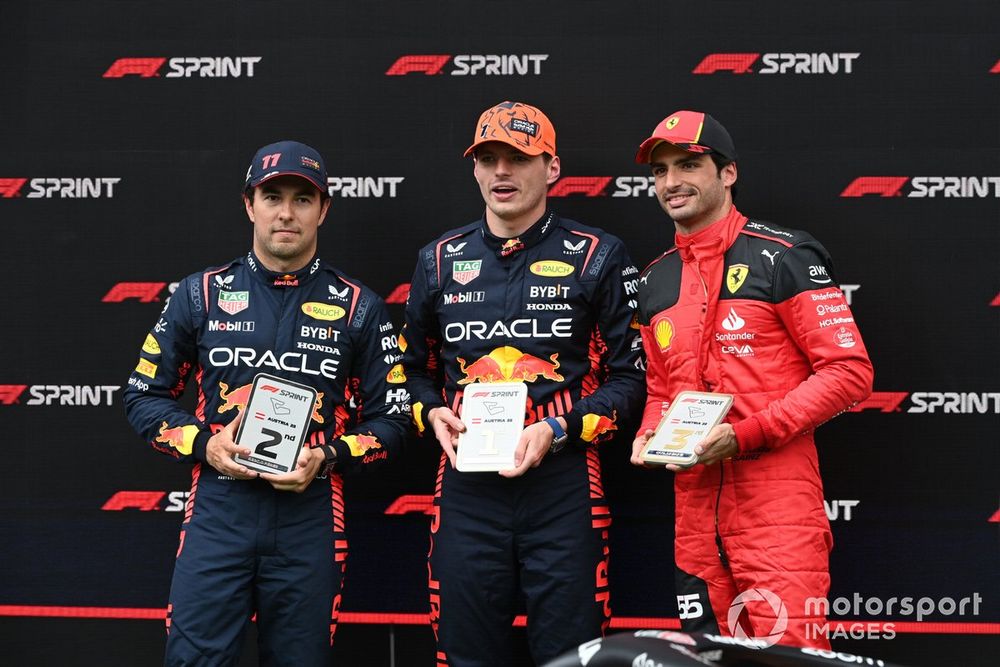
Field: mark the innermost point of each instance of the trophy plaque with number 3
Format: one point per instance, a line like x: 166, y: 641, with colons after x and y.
x: 691, y: 416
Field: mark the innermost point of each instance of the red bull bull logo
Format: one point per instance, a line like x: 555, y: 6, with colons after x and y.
x: 359, y: 444
x: 237, y: 398
x: 180, y: 438
x: 596, y: 425
x: 509, y: 364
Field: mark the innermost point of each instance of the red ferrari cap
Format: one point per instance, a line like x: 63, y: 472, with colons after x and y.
x: 693, y: 131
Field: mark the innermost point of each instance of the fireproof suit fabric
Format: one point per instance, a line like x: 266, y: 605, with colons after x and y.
x: 245, y: 547
x: 552, y: 309
x: 752, y: 309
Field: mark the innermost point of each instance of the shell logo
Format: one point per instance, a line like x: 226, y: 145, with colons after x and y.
x: 323, y: 311
x: 550, y: 268
x: 664, y: 333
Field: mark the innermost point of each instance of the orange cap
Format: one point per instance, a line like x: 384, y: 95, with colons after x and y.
x: 519, y: 125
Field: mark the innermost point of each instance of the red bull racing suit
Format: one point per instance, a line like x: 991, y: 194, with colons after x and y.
x: 246, y: 548
x: 550, y: 308
x: 752, y: 309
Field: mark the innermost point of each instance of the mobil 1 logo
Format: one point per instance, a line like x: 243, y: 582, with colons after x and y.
x: 275, y: 423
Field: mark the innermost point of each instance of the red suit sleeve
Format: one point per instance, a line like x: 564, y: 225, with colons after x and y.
x: 820, y: 323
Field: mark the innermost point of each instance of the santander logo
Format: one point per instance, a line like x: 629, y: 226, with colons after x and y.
x: 733, y: 322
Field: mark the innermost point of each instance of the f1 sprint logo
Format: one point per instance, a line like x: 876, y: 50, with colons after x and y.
x: 184, y: 67
x: 470, y: 65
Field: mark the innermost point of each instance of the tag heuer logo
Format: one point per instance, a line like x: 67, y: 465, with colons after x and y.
x: 464, y: 272
x: 234, y: 302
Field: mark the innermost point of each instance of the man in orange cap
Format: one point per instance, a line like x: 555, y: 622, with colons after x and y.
x: 751, y: 309
x: 521, y: 295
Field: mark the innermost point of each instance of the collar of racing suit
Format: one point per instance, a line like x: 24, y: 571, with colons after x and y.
x: 713, y: 240
x: 282, y: 280
x: 531, y: 236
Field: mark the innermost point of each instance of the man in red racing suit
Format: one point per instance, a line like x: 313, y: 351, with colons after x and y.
x: 750, y: 309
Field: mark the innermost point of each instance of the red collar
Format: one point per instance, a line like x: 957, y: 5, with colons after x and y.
x: 713, y: 240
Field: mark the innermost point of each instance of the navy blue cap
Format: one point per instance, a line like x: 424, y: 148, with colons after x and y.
x: 287, y: 158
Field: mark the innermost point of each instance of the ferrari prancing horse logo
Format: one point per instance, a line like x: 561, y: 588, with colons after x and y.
x: 735, y: 275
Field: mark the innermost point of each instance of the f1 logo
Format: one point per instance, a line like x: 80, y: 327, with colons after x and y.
x: 142, y: 67
x: 589, y: 186
x: 429, y: 64
x: 144, y: 292
x: 884, y: 186
x: 11, y: 187
x: 10, y: 393
x: 737, y: 63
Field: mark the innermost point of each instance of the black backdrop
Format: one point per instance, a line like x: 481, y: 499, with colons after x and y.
x: 874, y: 125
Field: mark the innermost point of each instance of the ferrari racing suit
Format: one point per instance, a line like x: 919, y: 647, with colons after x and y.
x: 752, y: 309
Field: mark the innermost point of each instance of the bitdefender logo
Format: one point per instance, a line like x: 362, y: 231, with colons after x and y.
x: 525, y: 64
x: 964, y: 187
x: 203, y: 67
x: 778, y: 63
x: 58, y: 188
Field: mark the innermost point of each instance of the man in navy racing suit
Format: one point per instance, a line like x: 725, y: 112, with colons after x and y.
x: 521, y: 295
x: 268, y: 544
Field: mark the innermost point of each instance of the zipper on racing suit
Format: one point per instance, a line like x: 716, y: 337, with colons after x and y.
x: 707, y: 386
